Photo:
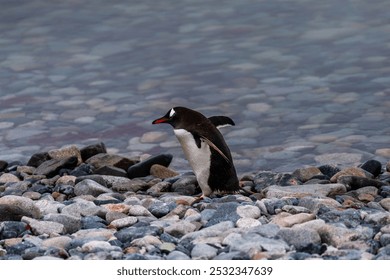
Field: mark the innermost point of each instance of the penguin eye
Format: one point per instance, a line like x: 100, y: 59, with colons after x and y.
x: 172, y: 113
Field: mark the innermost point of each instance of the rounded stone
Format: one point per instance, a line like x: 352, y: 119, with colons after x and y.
x: 385, y: 203
x: 248, y: 211
x: 13, y: 208
x: 203, y: 252
x: 90, y: 187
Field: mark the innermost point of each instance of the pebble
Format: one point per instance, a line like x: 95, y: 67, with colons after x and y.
x: 96, y: 216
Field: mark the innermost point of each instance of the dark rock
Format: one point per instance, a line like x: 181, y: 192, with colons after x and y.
x: 38, y: 158
x: 165, y: 237
x: 135, y: 257
x: 356, y: 182
x: 40, y: 188
x: 127, y: 235
x: 111, y: 170
x: 82, y: 170
x: 159, y: 208
x: 225, y: 212
x: 142, y: 169
x: 91, y: 222
x: 92, y: 150
x: 384, y: 191
x: 97, y: 178
x: 265, y: 179
x: 67, y: 190
x: 19, y: 248
x: 52, y: 167
x: 388, y: 167
x: 31, y: 253
x: 3, y: 165
x: 385, y: 239
x: 90, y: 187
x: 372, y: 166
x: 12, y: 229
x: 329, y: 170
x: 100, y: 160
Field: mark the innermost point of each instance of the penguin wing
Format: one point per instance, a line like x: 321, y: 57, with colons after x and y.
x: 213, y: 146
x: 221, y: 121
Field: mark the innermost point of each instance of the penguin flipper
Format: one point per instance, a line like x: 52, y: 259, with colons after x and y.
x: 221, y: 121
x: 212, y: 145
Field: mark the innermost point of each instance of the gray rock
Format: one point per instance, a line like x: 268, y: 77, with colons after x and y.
x: 81, y: 208
x: 180, y: 228
x: 300, y: 238
x: 177, y: 255
x: 61, y: 242
x: 8, y: 178
x: 96, y: 246
x: 225, y: 212
x: 13, y: 208
x: 71, y: 223
x: 52, y: 167
x: 247, y: 223
x: 111, y: 171
x: 203, y: 252
x: 123, y: 222
x: 211, y: 231
x: 248, y: 211
x: 66, y: 152
x: 304, y: 190
x: 305, y: 174
x: 91, y: 150
x: 44, y: 227
x: 89, y: 187
x: 337, y: 236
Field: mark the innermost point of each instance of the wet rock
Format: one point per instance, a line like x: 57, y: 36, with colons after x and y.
x: 111, y: 171
x: 142, y: 169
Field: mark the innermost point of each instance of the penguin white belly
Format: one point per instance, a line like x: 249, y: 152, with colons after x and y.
x: 199, y: 158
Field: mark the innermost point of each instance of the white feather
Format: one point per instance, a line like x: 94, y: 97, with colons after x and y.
x: 199, y: 158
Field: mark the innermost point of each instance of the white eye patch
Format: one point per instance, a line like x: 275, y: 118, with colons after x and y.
x: 172, y: 113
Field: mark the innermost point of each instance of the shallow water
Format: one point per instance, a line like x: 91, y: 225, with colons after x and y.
x: 306, y: 82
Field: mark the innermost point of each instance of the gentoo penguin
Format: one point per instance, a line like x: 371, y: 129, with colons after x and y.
x: 204, y: 148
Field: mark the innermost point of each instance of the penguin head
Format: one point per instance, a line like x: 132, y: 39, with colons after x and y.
x: 172, y: 117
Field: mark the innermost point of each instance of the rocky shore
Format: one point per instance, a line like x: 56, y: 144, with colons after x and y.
x: 84, y: 203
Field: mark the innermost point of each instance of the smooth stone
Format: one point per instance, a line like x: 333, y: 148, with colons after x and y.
x: 61, y: 242
x: 44, y: 227
x: 123, y: 222
x: 304, y: 190
x: 94, y: 234
x: 162, y: 172
x: 3, y: 165
x: 130, y: 233
x: 203, y: 252
x: 104, y: 159
x: 329, y: 170
x: 315, y: 203
x: 52, y: 167
x: 92, y: 150
x: 385, y: 203
x: 66, y: 180
x: 89, y: 187
x: 373, y: 166
x: 142, y: 169
x: 284, y: 219
x: 117, y: 207
x: 292, y: 209
x: 82, y: 208
x: 13, y: 208
x: 111, y: 171
x: 300, y: 238
x: 8, y: 178
x: 248, y: 211
x: 247, y: 223
x: 66, y: 152
x: 177, y: 255
x: 71, y: 223
x: 211, y: 231
x: 98, y: 245
x: 49, y: 206
x: 180, y: 228
x: 121, y: 184
x: 351, y: 171
x: 138, y: 210
x: 337, y: 236
x: 167, y: 247
x: 146, y: 241
x: 305, y: 174
x: 38, y: 158
x: 158, y: 208
x: 378, y: 218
